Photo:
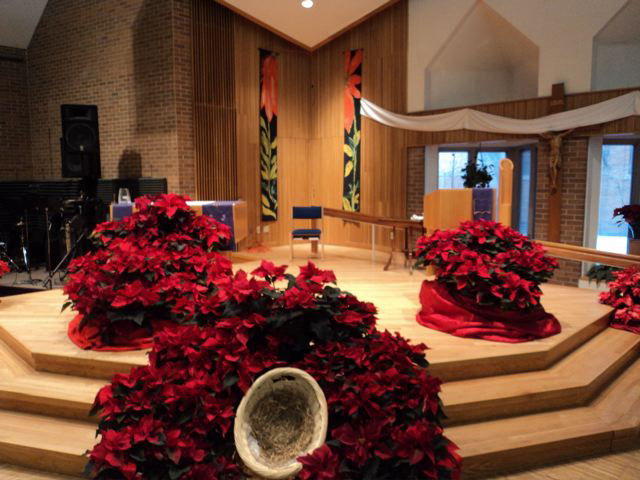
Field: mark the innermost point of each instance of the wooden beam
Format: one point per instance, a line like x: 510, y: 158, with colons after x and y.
x: 556, y: 104
x: 583, y: 254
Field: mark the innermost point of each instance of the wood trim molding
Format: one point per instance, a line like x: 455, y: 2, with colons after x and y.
x: 584, y: 254
x: 292, y: 40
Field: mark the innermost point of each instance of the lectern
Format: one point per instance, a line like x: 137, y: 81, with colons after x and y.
x: 445, y: 209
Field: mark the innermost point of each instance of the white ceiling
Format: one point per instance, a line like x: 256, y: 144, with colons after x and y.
x: 18, y: 21
x: 308, y: 27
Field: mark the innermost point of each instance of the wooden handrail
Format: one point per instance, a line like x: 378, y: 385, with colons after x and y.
x: 583, y: 254
x: 372, y: 219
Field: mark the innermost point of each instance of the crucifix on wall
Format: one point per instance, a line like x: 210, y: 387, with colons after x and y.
x: 555, y: 155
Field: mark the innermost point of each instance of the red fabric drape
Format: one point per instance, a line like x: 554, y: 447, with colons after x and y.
x: 461, y: 316
x: 126, y: 335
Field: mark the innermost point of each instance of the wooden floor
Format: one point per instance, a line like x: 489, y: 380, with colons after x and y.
x: 509, y: 405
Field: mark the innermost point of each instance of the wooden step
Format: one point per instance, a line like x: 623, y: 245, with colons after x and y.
x: 26, y: 390
x: 13, y: 472
x: 33, y: 326
x: 45, y: 443
x: 571, y: 382
x: 57, y: 395
x: 498, y: 446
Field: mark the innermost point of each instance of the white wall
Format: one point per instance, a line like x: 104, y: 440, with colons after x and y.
x: 616, y: 65
x: 563, y: 30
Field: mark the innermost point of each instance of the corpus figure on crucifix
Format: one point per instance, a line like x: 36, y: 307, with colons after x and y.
x: 555, y: 144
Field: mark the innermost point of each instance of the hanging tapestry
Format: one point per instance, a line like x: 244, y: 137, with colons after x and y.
x: 351, y: 149
x: 268, y: 135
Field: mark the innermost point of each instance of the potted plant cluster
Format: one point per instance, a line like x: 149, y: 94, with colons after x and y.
x: 143, y: 273
x: 624, y: 296
x: 173, y: 419
x: 631, y: 215
x: 487, y: 284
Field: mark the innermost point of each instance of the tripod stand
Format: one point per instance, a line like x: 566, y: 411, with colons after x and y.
x: 23, y: 224
x: 88, y: 216
x: 61, y: 264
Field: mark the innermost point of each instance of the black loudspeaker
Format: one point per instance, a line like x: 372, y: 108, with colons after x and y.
x: 80, y: 142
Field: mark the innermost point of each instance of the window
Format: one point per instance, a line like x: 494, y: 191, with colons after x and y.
x: 450, y: 165
x: 616, y: 173
x: 524, y: 195
x: 492, y: 160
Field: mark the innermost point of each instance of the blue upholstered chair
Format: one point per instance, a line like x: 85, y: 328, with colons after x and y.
x: 313, y: 234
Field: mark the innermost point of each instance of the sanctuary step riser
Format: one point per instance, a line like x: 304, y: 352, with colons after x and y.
x: 42, y: 460
x: 586, y: 383
x: 454, y: 371
x: 20, y: 402
x: 595, y: 364
x: 512, y: 461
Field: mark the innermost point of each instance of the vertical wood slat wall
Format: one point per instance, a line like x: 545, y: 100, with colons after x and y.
x: 214, y: 102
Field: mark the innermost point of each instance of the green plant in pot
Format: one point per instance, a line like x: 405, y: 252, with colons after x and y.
x: 476, y: 174
x: 631, y: 215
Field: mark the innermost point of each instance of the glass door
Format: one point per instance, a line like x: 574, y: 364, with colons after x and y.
x: 616, y: 177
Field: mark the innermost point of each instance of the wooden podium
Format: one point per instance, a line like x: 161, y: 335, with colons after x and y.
x: 445, y: 209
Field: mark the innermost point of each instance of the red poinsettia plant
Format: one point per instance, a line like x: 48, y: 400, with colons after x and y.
x: 174, y: 418
x: 624, y: 296
x: 147, y: 268
x: 631, y: 215
x: 488, y: 262
x: 4, y: 268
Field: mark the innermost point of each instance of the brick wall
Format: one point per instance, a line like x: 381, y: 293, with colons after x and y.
x: 131, y: 58
x: 574, y: 184
x: 15, y: 161
x: 415, y: 184
x: 183, y: 84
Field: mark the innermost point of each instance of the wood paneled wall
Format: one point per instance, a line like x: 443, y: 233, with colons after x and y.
x: 294, y: 166
x: 383, y: 39
x: 214, y: 102
x: 310, y: 119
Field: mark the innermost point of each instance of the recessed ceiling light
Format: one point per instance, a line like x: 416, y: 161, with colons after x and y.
x: 307, y: 3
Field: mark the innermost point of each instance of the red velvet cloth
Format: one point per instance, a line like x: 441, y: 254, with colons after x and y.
x: 461, y: 316
x: 126, y: 336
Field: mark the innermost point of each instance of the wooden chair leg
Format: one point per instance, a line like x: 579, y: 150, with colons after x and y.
x: 291, y: 247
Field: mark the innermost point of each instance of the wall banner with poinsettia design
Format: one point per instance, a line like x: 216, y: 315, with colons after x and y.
x: 268, y: 135
x: 351, y: 149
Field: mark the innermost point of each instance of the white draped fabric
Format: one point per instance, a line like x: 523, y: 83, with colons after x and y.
x: 468, y: 119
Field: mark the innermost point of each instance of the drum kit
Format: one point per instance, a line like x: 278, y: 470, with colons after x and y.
x: 67, y: 223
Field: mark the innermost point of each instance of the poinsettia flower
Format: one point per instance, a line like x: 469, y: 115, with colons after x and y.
x: 310, y: 272
x: 269, y: 93
x: 321, y: 464
x: 269, y: 271
x: 351, y: 87
x: 361, y: 440
x: 135, y: 292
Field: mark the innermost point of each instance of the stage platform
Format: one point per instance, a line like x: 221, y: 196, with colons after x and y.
x: 510, y: 406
